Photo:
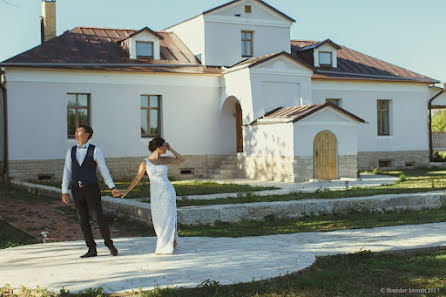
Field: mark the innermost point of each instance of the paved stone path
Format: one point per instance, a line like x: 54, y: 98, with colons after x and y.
x: 227, y: 260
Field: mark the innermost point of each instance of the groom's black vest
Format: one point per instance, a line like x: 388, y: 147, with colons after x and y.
x: 86, y: 173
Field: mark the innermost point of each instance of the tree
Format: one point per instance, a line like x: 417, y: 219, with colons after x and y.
x: 439, y: 121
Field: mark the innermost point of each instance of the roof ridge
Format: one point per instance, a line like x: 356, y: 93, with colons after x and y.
x: 303, y: 40
x: 101, y: 28
x: 120, y: 29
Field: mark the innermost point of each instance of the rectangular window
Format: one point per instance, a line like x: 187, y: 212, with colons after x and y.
x: 247, y: 8
x: 144, y: 49
x: 78, y: 112
x: 150, y: 115
x: 384, y: 163
x: 334, y: 101
x: 325, y: 59
x: 247, y: 48
x: 383, y: 109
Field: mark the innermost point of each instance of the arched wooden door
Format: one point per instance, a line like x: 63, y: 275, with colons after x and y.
x: 325, y: 156
x: 238, y: 127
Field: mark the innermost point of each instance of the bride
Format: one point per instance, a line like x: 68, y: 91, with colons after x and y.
x: 162, y: 194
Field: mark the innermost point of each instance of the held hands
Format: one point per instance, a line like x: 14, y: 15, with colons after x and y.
x: 124, y: 194
x: 115, y: 192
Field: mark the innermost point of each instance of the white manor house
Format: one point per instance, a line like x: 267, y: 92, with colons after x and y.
x: 228, y: 88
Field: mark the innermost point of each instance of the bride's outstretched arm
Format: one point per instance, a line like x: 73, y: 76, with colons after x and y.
x: 178, y: 158
x: 135, y: 181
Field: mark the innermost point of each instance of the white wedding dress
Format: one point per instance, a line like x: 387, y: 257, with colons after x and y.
x: 163, y: 207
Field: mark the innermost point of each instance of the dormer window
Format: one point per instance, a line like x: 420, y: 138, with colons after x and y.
x: 247, y: 8
x: 325, y: 59
x: 144, y: 49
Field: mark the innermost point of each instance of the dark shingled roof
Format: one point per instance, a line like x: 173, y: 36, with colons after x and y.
x: 100, y: 49
x: 355, y: 65
x: 296, y: 113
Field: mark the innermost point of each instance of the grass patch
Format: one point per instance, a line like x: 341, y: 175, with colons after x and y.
x: 359, y: 274
x: 353, y: 220
x: 409, y: 181
x: 183, y: 188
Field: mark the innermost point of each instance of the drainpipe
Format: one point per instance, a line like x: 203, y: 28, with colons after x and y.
x: 429, y: 122
x: 4, y: 170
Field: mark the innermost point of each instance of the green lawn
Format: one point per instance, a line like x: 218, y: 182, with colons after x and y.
x: 353, y: 220
x: 183, y: 188
x: 411, y: 181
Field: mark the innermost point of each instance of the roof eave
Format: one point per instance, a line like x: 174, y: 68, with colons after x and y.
x: 141, y: 30
x: 277, y: 55
x: 327, y: 104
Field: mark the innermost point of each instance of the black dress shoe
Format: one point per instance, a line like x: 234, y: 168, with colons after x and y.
x: 113, y: 250
x: 90, y: 253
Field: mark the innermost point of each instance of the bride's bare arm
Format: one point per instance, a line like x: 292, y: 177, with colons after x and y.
x: 135, y: 181
x: 178, y: 158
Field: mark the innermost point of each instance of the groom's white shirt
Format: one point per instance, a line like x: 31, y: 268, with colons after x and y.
x: 81, y: 152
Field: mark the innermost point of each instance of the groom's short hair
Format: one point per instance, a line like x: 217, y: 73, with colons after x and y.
x: 87, y: 129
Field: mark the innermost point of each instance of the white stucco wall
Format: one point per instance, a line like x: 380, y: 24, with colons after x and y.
x: 279, y: 82
x: 192, y: 34
x: 269, y: 140
x: 345, y: 130
x: 275, y: 83
x: 408, y: 124
x: 37, y: 112
x: 238, y: 85
x: 223, y: 41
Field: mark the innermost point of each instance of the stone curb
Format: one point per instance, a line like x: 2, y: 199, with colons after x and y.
x: 230, y: 213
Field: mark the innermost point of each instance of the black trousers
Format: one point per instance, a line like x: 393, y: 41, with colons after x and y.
x: 88, y: 200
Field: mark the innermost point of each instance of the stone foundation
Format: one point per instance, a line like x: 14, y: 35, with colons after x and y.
x: 272, y: 168
x: 289, y: 169
x: 193, y: 167
x: 398, y: 159
x: 348, y: 166
x: 303, y: 168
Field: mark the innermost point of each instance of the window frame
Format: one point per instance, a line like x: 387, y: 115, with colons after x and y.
x: 248, y: 9
x: 148, y: 109
x: 324, y: 64
x: 380, y: 117
x: 245, y: 41
x: 76, y: 108
x: 143, y: 56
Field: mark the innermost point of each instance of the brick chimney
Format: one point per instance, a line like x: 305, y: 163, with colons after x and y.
x: 48, y: 22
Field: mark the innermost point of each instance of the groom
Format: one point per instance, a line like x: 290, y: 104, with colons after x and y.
x: 80, y: 170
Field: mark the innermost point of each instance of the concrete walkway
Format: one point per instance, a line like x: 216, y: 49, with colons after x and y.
x: 226, y: 260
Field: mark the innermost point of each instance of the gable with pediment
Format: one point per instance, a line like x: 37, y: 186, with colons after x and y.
x: 258, y: 12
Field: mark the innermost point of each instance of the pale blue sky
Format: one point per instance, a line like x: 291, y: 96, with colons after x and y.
x: 408, y: 33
